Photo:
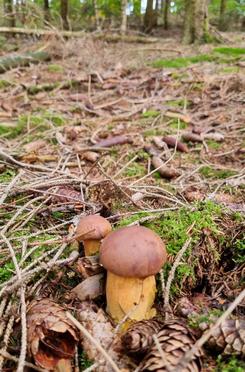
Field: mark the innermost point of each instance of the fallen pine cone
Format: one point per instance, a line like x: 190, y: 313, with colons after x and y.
x: 51, y: 336
x: 172, y: 142
x: 174, y: 338
x: 138, y: 338
x: 229, y: 337
x: 164, y: 171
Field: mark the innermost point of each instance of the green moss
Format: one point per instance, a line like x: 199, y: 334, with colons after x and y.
x: 213, y: 144
x: 6, y: 271
x: 233, y: 52
x: 209, y: 172
x: 150, y: 114
x: 179, y: 103
x: 229, y: 70
x: 153, y: 132
x: 231, y: 364
x: 4, y: 84
x: 55, y: 68
x: 195, y: 320
x: 184, y: 61
x: 84, y: 362
x: 176, y: 123
x: 6, y: 176
x: 173, y: 227
x: 134, y: 170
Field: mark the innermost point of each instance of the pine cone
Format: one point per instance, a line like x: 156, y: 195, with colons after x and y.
x: 138, y: 338
x: 229, y: 337
x: 51, y: 336
x: 175, y: 339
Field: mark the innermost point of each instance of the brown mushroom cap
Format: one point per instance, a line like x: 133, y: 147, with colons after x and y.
x: 133, y: 251
x: 92, y: 227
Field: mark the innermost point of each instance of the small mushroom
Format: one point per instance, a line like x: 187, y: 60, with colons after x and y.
x: 90, y: 230
x: 132, y: 256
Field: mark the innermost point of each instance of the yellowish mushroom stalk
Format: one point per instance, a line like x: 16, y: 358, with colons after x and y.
x: 133, y: 297
x: 91, y: 247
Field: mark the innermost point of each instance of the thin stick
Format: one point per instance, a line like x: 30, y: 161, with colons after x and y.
x: 202, y: 340
x: 172, y: 272
x: 22, y: 357
x: 6, y: 355
x: 10, y: 186
x: 93, y: 341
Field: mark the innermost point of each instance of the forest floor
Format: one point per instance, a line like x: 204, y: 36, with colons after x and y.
x: 86, y: 133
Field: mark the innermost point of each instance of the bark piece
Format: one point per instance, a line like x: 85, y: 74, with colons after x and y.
x: 164, y: 171
x: 90, y: 156
x: 96, y: 322
x: 51, y: 336
x: 91, y: 288
x: 171, y: 141
x: 88, y: 266
x: 174, y: 338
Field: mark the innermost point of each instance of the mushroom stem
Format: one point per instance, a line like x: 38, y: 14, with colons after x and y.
x: 91, y: 247
x: 130, y: 296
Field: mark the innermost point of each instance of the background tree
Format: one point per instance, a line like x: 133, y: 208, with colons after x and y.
x: 46, y: 10
x: 124, y: 17
x: 165, y: 14
x: 196, y: 24
x: 222, y: 22
x: 9, y: 13
x: 64, y: 14
x: 150, y: 18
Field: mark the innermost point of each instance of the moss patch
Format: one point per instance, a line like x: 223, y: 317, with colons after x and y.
x: 209, y: 172
x: 233, y: 52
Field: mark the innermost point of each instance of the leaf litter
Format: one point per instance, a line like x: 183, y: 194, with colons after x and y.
x: 107, y: 133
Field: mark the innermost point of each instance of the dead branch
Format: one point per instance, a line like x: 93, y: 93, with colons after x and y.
x: 77, y: 34
x: 13, y: 61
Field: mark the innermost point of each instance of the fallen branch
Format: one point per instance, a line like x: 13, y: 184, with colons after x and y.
x: 77, y: 34
x: 16, y: 60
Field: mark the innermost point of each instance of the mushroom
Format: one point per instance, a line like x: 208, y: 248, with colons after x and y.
x: 132, y: 256
x: 90, y: 230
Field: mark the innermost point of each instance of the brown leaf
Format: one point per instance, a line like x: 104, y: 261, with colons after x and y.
x: 113, y: 141
x: 88, y: 266
x: 65, y: 194
x: 171, y: 141
x: 164, y: 171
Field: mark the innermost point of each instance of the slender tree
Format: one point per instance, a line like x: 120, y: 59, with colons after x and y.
x: 150, y: 17
x: 46, y: 10
x: 96, y: 14
x: 64, y: 14
x: 9, y: 15
x: 165, y: 14
x: 222, y: 24
x: 124, y: 5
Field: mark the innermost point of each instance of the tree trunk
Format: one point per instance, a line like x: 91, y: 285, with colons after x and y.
x: 96, y: 14
x: 222, y: 15
x: 124, y: 17
x: 189, y: 22
x: 196, y: 25
x: 150, y: 17
x: 64, y: 14
x: 9, y: 13
x: 165, y: 14
x: 46, y: 10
